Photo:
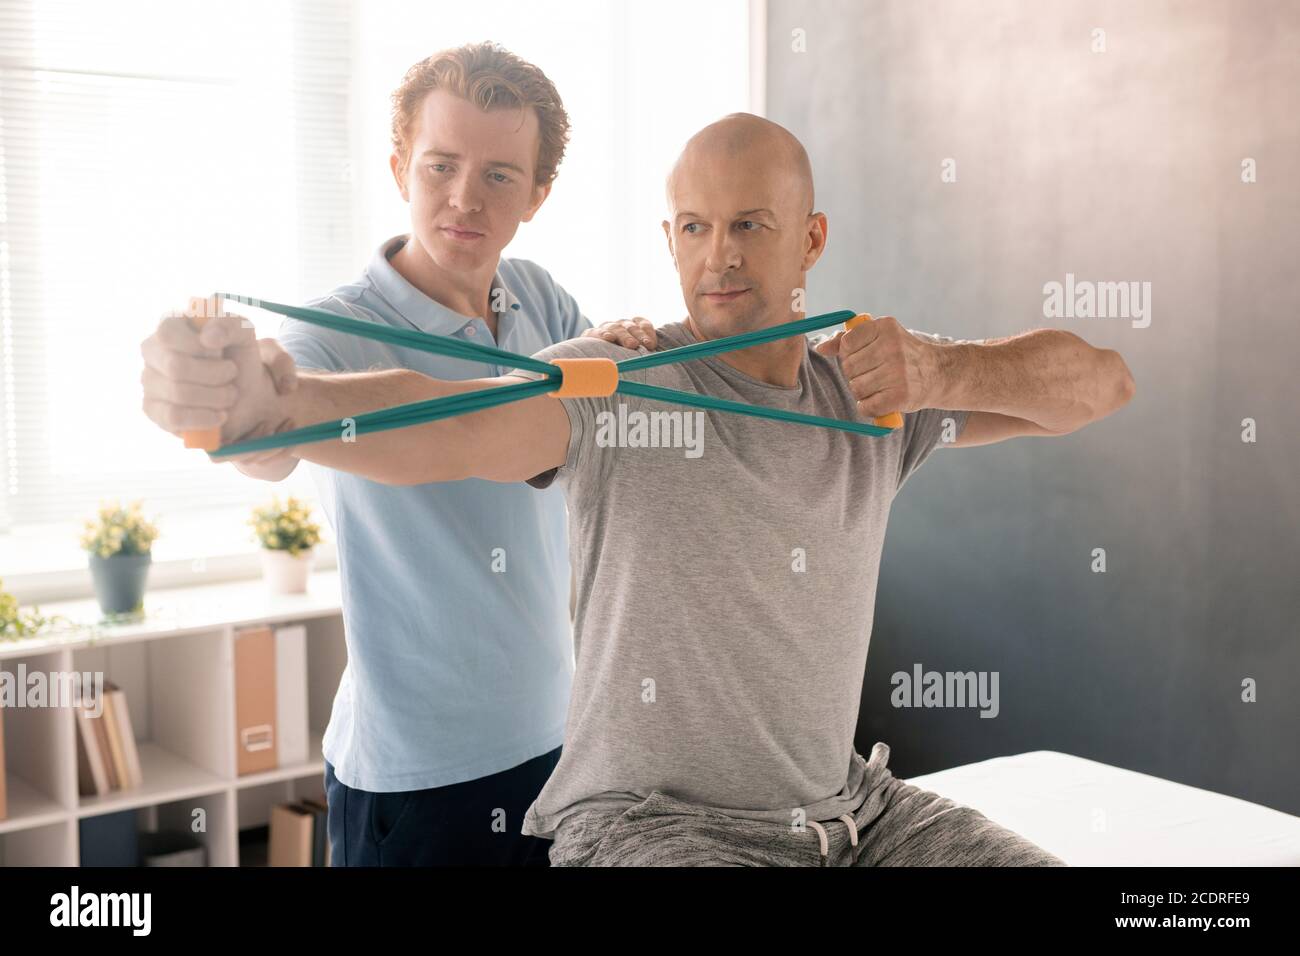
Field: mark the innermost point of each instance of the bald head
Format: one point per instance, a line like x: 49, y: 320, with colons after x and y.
x: 741, y: 226
x: 743, y: 141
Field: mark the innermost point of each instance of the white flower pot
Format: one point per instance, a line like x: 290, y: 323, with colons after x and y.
x: 285, y: 574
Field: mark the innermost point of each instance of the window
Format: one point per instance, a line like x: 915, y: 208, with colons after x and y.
x: 150, y: 150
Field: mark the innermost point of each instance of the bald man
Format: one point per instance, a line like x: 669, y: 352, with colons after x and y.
x: 713, y: 713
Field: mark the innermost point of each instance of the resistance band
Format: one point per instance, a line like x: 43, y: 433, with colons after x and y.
x: 564, y: 378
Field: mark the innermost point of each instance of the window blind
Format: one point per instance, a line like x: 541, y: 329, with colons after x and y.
x: 149, y: 151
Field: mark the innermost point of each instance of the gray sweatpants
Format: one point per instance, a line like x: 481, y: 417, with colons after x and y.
x: 896, y: 825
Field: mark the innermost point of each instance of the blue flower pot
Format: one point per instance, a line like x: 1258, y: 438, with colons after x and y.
x: 120, y: 581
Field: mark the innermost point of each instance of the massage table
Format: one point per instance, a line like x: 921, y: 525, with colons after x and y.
x: 1092, y: 814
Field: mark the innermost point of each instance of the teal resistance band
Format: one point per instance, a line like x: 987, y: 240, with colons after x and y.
x: 416, y: 413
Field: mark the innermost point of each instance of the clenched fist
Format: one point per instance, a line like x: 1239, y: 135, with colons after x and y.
x: 889, y: 369
x: 220, y: 376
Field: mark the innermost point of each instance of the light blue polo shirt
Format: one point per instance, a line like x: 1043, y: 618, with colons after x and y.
x: 455, y: 594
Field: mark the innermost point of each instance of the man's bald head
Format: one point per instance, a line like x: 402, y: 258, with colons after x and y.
x: 741, y: 226
x: 748, y: 140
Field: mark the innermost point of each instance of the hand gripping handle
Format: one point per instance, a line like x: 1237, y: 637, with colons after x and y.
x: 893, y: 419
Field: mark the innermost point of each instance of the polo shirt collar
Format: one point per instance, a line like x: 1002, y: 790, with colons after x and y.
x: 417, y: 309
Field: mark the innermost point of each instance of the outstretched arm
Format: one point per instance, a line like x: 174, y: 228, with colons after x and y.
x: 1045, y: 382
x: 222, y: 377
x: 511, y: 442
x: 1042, y: 382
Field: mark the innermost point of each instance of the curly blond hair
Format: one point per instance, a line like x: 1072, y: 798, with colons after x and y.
x: 490, y: 77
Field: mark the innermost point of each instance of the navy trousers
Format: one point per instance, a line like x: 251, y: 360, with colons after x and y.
x: 475, y: 823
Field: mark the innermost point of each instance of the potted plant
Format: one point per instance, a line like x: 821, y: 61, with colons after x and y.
x: 120, y: 542
x: 288, y: 537
x: 17, y: 623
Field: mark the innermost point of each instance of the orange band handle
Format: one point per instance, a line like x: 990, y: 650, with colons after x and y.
x: 893, y: 419
x: 586, y: 378
x: 199, y: 311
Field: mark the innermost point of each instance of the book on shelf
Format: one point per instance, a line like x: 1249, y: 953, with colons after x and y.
x: 92, y: 776
x: 293, y: 746
x: 116, y: 710
x: 109, y: 839
x: 114, y: 744
x: 320, y: 841
x: 101, y: 741
x: 299, y: 834
x: 292, y: 839
x: 108, y: 757
x: 255, y: 701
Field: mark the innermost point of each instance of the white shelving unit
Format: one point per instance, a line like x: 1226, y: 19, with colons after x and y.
x: 176, y: 667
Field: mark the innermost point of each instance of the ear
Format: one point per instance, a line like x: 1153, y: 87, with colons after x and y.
x: 814, y: 240
x: 668, y: 234
x: 539, y: 196
x: 399, y: 175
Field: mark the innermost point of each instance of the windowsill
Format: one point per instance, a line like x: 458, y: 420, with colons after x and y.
x: 44, y: 563
x: 169, y: 612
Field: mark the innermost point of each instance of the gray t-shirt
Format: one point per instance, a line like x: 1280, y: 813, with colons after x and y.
x: 725, y: 591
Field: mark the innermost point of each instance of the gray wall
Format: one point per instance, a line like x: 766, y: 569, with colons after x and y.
x: 1122, y: 165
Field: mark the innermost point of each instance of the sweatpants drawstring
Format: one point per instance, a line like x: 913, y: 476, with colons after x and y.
x: 853, y: 828
x: 821, y: 838
x: 824, y: 843
x: 853, y: 834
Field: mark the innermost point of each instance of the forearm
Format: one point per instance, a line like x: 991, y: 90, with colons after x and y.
x: 1050, y: 377
x: 433, y: 451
